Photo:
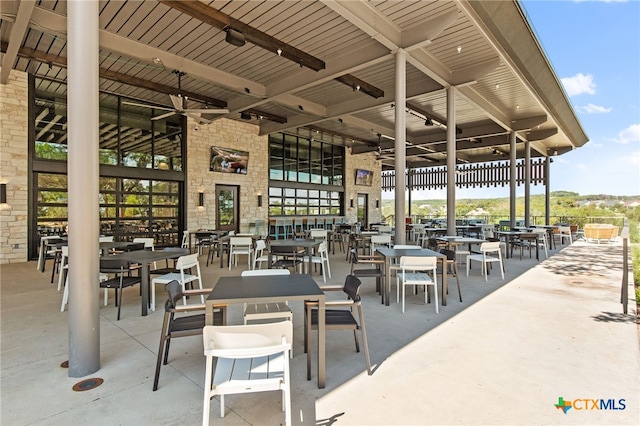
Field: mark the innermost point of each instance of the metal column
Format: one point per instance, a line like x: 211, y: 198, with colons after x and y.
x: 400, y: 145
x: 547, y: 191
x: 83, y: 174
x: 451, y: 160
x: 527, y: 184
x: 512, y: 179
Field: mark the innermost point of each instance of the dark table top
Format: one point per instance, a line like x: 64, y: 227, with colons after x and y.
x: 390, y: 252
x: 261, y: 288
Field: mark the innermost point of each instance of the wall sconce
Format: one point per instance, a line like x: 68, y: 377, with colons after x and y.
x: 259, y: 200
x: 3, y: 193
x: 200, y: 199
x: 351, y: 203
x: 377, y: 204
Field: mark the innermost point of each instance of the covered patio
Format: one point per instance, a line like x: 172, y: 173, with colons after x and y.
x: 504, y: 355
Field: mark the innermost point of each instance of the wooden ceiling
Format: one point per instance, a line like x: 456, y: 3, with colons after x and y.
x: 326, y: 67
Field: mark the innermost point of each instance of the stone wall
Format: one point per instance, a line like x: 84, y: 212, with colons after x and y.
x: 229, y: 134
x: 366, y: 161
x: 13, y: 167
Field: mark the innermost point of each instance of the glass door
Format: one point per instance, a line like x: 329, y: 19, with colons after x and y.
x: 363, y: 210
x: 228, y: 199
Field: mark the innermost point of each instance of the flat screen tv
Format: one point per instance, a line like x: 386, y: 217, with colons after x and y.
x: 228, y: 160
x: 364, y: 177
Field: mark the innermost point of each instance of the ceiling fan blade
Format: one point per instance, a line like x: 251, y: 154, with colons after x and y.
x: 208, y: 111
x: 160, y: 117
x: 177, y: 102
x: 147, y: 106
x: 197, y: 117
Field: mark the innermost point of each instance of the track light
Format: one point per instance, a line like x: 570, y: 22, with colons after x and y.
x: 428, y: 122
x: 234, y: 37
x: 245, y: 115
x: 279, y: 52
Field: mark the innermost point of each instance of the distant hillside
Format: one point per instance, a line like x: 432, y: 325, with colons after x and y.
x: 563, y: 204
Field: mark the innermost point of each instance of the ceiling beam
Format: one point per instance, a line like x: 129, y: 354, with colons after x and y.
x: 61, y: 62
x: 18, y: 31
x: 222, y: 21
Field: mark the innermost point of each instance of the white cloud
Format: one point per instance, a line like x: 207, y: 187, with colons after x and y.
x: 633, y: 158
x: 578, y: 84
x: 593, y: 109
x: 630, y: 134
x: 596, y: 145
x: 582, y: 167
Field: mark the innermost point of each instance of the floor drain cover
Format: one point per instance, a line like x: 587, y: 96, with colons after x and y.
x: 65, y: 364
x: 87, y: 384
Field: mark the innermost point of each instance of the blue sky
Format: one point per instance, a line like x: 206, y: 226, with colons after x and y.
x: 594, y: 48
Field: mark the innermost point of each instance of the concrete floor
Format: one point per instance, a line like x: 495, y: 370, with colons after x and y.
x: 504, y: 356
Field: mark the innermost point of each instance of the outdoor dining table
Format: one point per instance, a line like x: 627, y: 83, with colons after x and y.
x: 454, y: 241
x: 271, y: 289
x: 146, y: 258
x: 308, y: 245
x: 390, y: 253
x: 509, y: 238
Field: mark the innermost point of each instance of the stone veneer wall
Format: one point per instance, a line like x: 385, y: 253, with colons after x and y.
x: 368, y: 162
x: 231, y: 134
x: 13, y: 167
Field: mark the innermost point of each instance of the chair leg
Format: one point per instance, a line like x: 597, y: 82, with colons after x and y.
x: 119, y: 302
x: 207, y: 392
x: 160, y: 351
x: 364, y: 341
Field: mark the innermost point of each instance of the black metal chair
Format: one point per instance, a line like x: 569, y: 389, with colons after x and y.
x: 338, y: 319
x: 175, y: 326
x: 122, y: 277
x: 286, y: 257
x: 452, y: 268
x: 375, y: 269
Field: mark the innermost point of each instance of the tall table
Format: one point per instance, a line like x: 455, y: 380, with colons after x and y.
x: 308, y: 245
x: 390, y: 253
x: 146, y: 258
x: 271, y: 289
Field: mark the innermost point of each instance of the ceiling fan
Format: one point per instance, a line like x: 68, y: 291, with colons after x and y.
x: 179, y: 103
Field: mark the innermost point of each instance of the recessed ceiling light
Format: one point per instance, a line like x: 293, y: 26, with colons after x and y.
x: 497, y: 86
x: 459, y: 49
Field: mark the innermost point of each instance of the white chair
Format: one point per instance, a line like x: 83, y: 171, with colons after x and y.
x: 43, y: 253
x: 394, y: 266
x: 240, y: 246
x: 380, y: 240
x: 260, y: 255
x: 322, y: 259
x: 414, y: 271
x: 182, y: 275
x: 250, y: 358
x: 542, y: 240
x: 564, y: 232
x: 64, y: 265
x: 105, y: 239
x: 384, y: 229
x: 489, y: 252
x: 317, y: 234
x: 185, y: 239
x: 148, y: 244
x: 270, y: 310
